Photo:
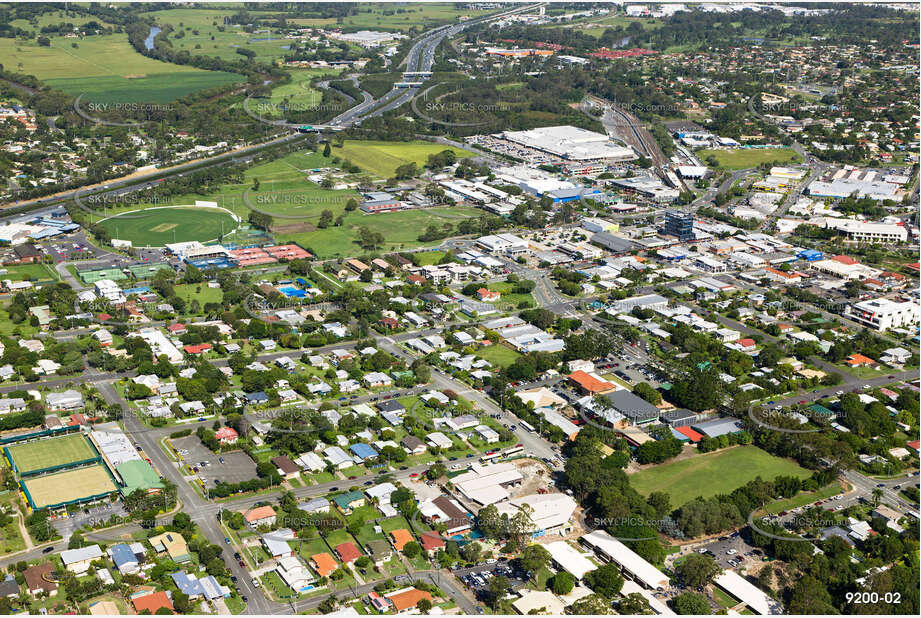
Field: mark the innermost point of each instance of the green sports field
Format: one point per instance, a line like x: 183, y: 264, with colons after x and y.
x: 31, y: 456
x: 155, y: 227
x: 713, y: 473
x: 106, y: 69
x: 383, y: 158
x: 745, y: 158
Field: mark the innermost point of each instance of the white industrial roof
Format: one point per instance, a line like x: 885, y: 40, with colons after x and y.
x: 570, y: 143
x: 629, y: 560
x: 570, y: 559
x: 748, y: 593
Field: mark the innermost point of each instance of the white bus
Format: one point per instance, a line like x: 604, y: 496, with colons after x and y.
x: 526, y: 426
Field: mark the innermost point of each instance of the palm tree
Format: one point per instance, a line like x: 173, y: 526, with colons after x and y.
x: 877, y: 495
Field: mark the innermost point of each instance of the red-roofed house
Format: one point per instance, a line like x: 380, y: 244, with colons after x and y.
x: 843, y: 259
x: 746, y: 345
x: 347, y: 553
x: 226, y: 435
x: 417, y: 279
x: 487, y: 295
x: 198, y: 348
x: 152, y: 602
x: 591, y: 384
x: 690, y: 434
x: 177, y: 329
x: 914, y: 444
x: 431, y: 542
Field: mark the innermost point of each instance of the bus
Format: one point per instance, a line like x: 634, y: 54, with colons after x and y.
x: 513, y: 451
x: 490, y: 457
x: 526, y: 426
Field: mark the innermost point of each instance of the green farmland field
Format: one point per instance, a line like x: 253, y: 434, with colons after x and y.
x: 108, y: 70
x: 159, y: 226
x: 383, y: 158
x: 713, y: 473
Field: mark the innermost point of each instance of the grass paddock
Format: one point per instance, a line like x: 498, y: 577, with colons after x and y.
x: 706, y: 475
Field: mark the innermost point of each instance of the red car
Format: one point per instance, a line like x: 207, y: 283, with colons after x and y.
x: 802, y: 401
x: 413, y: 475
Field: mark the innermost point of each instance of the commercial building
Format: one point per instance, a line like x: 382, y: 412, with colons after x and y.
x: 883, y: 313
x: 567, y: 558
x: 551, y: 512
x: 571, y: 143
x: 487, y: 484
x: 680, y: 225
x: 870, y: 232
x: 635, y: 409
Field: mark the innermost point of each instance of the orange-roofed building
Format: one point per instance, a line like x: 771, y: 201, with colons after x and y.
x: 260, y: 516
x: 591, y: 384
x: 323, y: 564
x: 843, y: 259
x: 399, y: 538
x: 859, y: 360
x: 198, y: 348
x: 690, y: 434
x: 152, y: 602
x: 487, y: 295
x: 406, y: 600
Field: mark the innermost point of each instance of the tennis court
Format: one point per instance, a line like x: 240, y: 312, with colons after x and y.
x: 50, y: 452
x: 67, y: 487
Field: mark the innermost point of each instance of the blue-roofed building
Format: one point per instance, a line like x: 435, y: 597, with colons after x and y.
x: 124, y: 558
x: 207, y: 587
x: 810, y: 255
x: 256, y: 398
x: 363, y: 451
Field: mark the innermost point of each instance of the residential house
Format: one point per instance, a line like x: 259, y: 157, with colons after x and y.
x: 173, y: 545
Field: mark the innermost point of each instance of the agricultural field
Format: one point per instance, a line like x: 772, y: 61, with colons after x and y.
x: 159, y: 226
x: 745, y: 158
x: 51, y: 489
x: 202, y: 34
x: 106, y: 69
x: 395, y: 18
x: 383, y: 158
x: 713, y: 473
x: 50, y: 452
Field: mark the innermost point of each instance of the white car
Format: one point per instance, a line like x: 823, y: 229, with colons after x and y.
x: 731, y: 552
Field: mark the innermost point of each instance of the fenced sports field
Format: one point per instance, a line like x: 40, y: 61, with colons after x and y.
x: 50, y: 453
x: 80, y: 484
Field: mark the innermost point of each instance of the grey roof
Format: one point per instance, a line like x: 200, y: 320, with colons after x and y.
x: 390, y: 405
x: 678, y: 414
x: 631, y: 406
x: 717, y: 427
x: 611, y: 242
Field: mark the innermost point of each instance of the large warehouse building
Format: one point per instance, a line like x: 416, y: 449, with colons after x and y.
x: 571, y: 143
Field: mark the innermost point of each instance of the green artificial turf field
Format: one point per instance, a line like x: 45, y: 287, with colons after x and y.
x: 40, y: 454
